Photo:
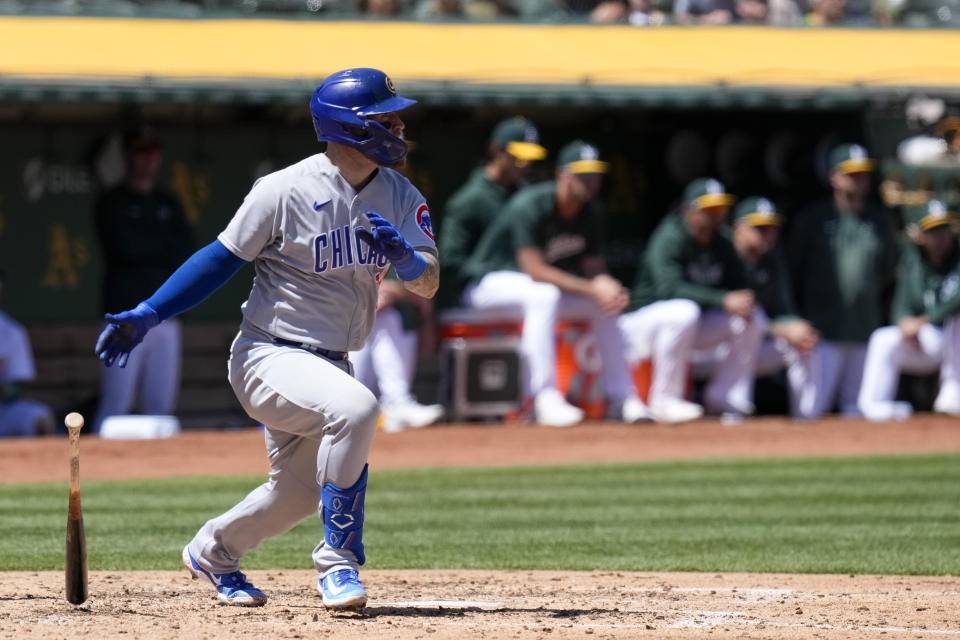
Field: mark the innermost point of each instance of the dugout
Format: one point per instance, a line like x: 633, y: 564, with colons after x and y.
x: 229, y: 100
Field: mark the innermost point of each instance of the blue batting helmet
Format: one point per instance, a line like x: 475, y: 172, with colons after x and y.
x: 341, y: 106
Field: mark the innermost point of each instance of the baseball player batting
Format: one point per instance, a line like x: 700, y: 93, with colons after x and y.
x: 320, y: 233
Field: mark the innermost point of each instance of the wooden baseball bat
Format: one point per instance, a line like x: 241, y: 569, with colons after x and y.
x: 76, y: 558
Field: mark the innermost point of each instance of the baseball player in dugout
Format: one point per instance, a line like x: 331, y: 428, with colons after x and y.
x: 321, y: 233
x: 790, y: 340
x: 842, y: 254
x: 926, y: 305
x: 543, y: 253
x: 19, y: 416
x: 386, y: 362
x: 514, y: 145
x: 692, y: 292
x: 143, y: 235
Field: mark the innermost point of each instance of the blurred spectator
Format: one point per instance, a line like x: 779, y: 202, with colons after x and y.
x: 386, y: 362
x: 790, y: 339
x: 490, y: 9
x: 888, y: 13
x: 703, y: 11
x: 144, y: 237
x: 514, y: 145
x: 543, y: 10
x: 438, y: 9
x: 825, y: 13
x: 542, y: 253
x: 642, y: 13
x: 842, y: 256
x: 926, y: 313
x: 750, y: 12
x: 380, y: 8
x: 18, y: 416
x: 783, y: 13
x: 692, y: 292
x: 609, y: 11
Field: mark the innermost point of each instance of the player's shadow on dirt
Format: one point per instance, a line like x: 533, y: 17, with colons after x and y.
x: 457, y: 612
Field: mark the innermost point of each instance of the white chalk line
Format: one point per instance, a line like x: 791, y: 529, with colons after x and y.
x: 779, y: 593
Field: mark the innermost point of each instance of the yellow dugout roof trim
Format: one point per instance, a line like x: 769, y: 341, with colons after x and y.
x: 50, y: 47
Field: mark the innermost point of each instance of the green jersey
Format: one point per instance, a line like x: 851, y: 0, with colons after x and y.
x: 924, y: 290
x: 470, y: 210
x: 770, y: 281
x: 841, y: 264
x: 674, y: 265
x: 530, y: 219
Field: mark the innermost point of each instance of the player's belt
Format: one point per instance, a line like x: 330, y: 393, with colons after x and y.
x: 326, y: 353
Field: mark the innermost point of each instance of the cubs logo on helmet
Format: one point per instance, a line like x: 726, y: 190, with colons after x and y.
x: 423, y: 221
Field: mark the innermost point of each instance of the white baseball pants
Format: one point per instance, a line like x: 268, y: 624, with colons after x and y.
x: 541, y: 303
x: 664, y: 332
x: 776, y: 354
x: 386, y: 361
x: 669, y: 331
x: 152, y: 373
x: 319, y: 424
x: 837, y: 369
x: 888, y: 354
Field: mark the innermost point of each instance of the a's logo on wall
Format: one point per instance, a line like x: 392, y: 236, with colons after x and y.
x: 423, y: 221
x: 192, y: 189
x: 66, y: 257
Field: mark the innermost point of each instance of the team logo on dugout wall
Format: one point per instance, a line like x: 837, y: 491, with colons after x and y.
x: 423, y: 221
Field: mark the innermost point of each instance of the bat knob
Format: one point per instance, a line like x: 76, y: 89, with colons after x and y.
x: 73, y: 420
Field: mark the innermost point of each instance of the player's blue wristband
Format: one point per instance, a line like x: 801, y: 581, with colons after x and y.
x: 411, y: 268
x: 203, y: 273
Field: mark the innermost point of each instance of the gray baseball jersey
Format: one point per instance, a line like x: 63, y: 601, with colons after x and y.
x: 316, y: 283
x: 316, y: 280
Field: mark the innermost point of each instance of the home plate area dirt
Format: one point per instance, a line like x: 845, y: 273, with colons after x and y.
x: 493, y: 604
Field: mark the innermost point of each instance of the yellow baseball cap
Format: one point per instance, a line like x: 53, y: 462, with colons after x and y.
x: 518, y: 137
x: 580, y: 157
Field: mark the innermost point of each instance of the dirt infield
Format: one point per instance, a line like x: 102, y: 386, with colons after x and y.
x: 484, y: 604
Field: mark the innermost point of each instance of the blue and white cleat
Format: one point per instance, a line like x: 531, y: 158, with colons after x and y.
x: 232, y: 588
x: 342, y: 590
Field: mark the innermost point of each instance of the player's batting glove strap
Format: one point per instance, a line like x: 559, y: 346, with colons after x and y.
x: 386, y: 239
x: 124, y: 331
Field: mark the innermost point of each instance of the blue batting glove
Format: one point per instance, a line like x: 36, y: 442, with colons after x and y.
x: 387, y: 240
x: 123, y: 332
